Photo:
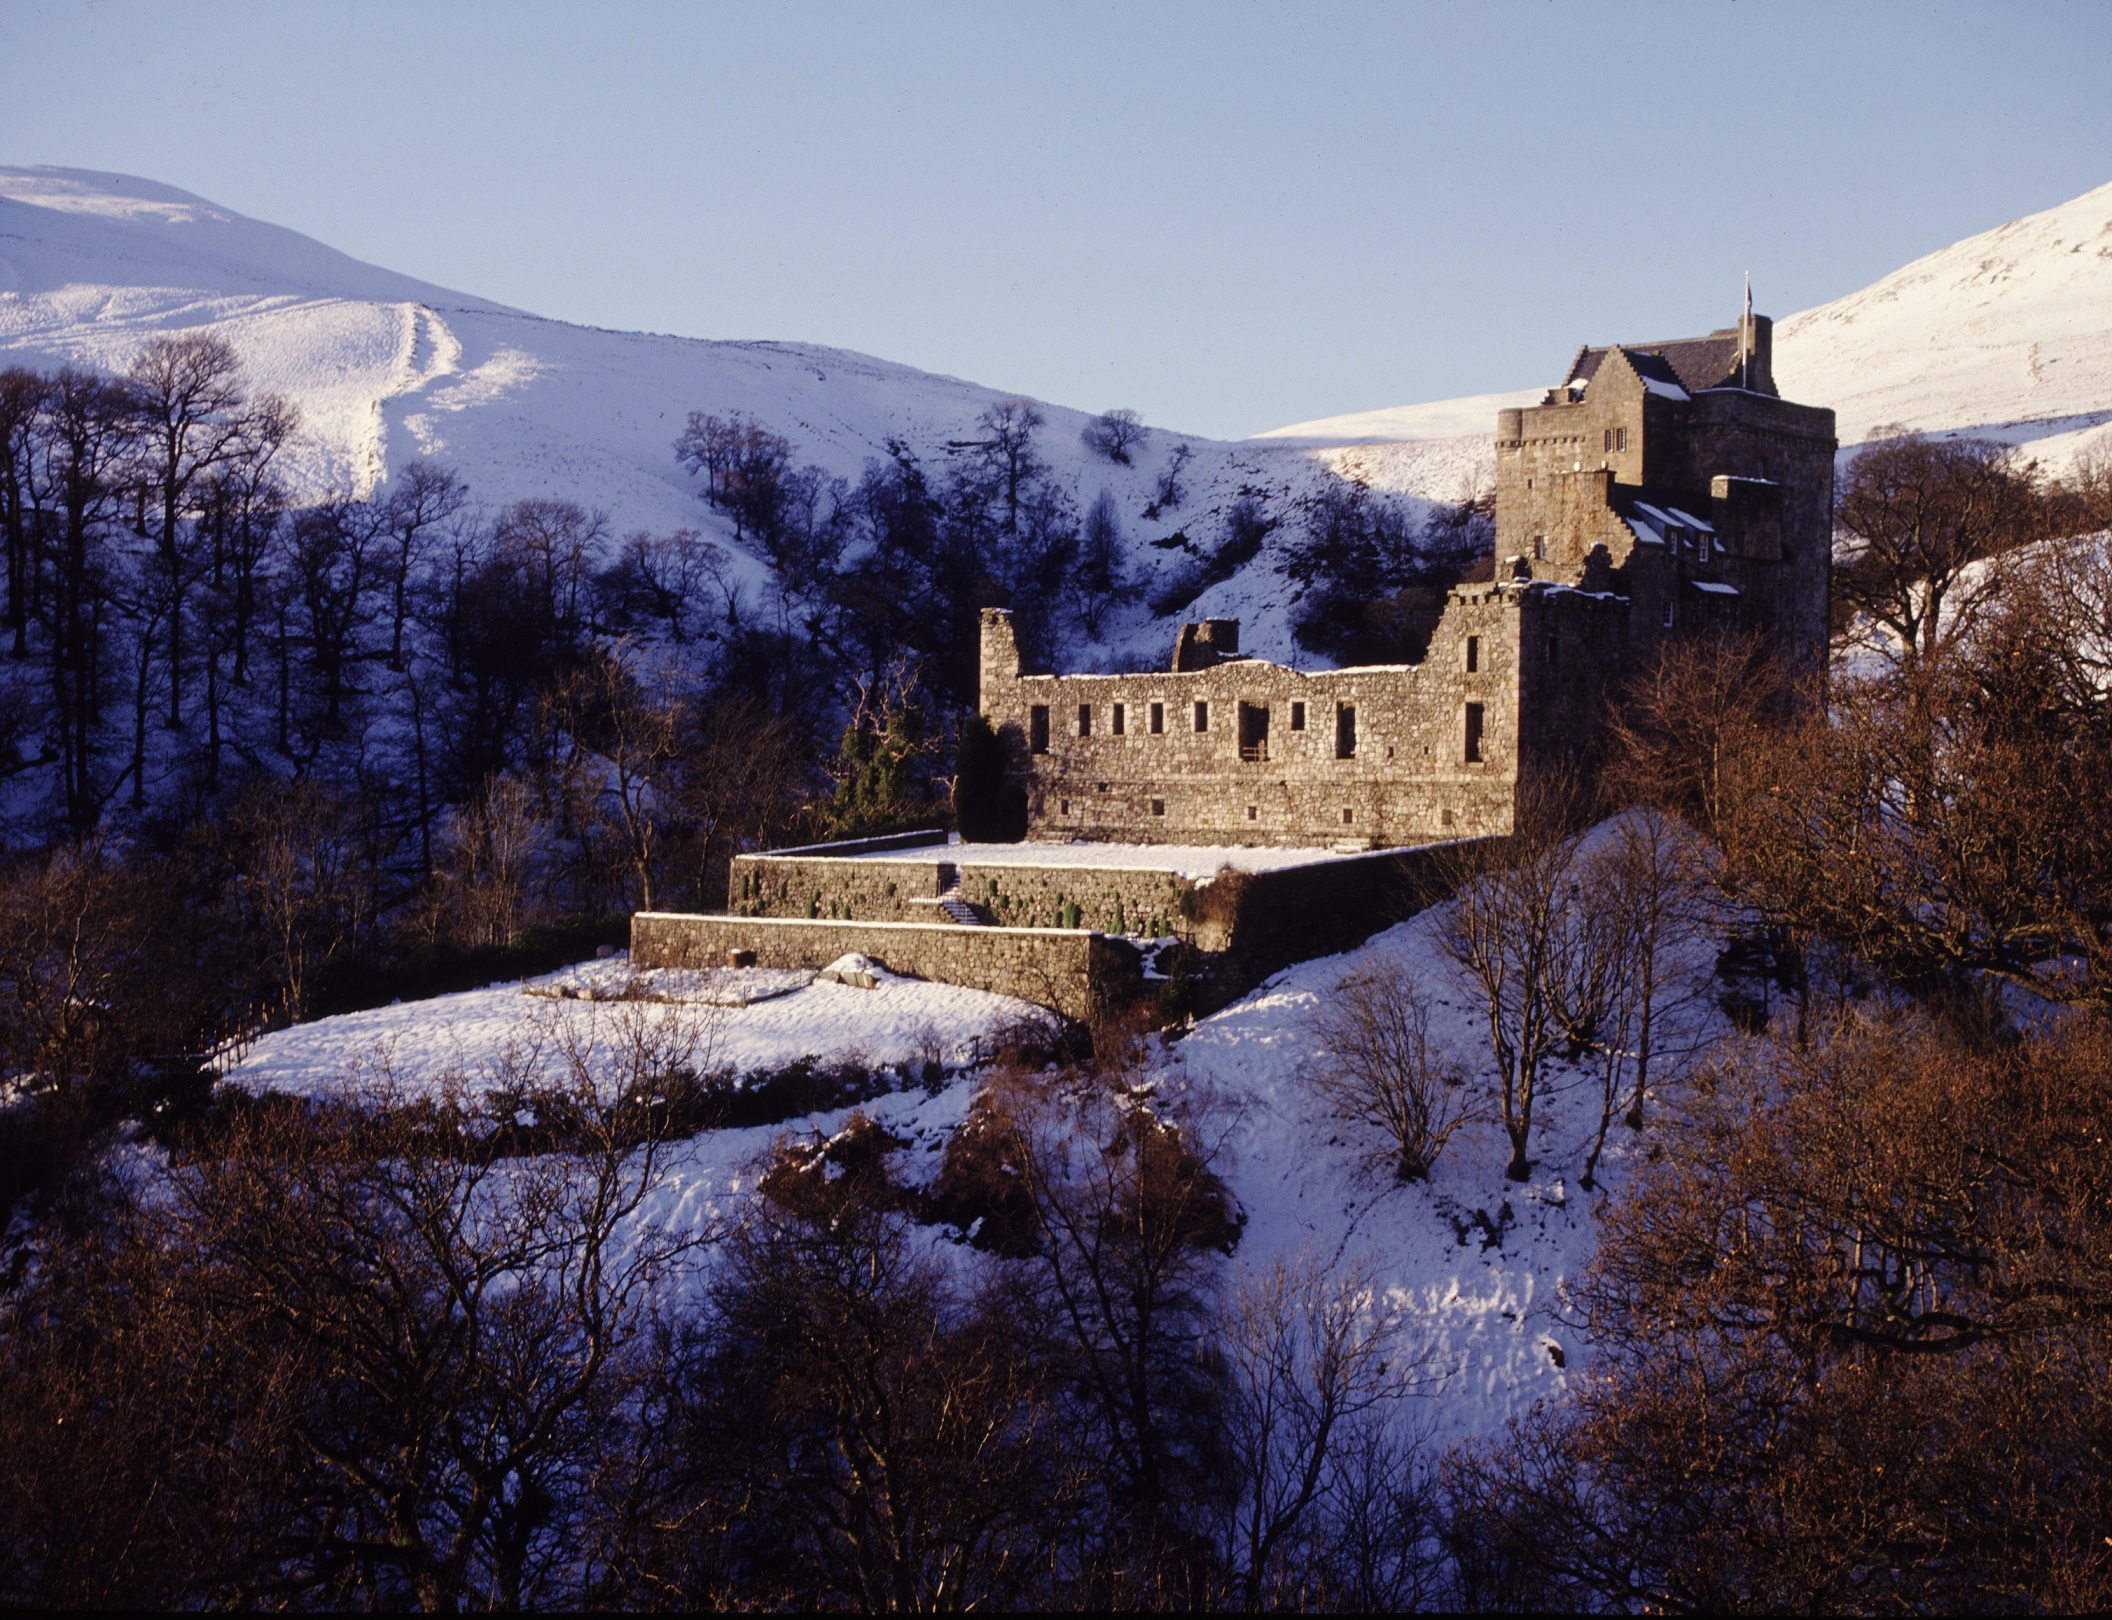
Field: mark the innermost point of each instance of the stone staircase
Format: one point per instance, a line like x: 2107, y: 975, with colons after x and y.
x: 958, y: 910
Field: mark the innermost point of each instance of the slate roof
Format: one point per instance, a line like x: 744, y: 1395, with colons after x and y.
x: 1693, y: 363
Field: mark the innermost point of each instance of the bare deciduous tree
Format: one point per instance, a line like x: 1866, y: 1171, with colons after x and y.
x: 306, y: 880
x: 1923, y: 516
x: 1125, y: 1221
x: 188, y: 394
x: 858, y: 1427
x: 1510, y: 932
x: 1169, y: 492
x: 356, y: 1353
x: 1113, y: 433
x: 1377, y: 1069
x: 1099, y: 578
x: 1320, y: 1366
x: 1638, y: 910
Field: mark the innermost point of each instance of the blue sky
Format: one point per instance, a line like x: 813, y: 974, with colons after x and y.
x: 1226, y: 216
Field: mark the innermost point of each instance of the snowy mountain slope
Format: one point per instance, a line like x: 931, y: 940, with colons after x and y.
x: 2007, y: 334
x: 387, y: 369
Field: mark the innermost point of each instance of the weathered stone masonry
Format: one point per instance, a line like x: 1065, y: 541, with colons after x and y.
x: 1215, y: 913
x: 1233, y: 750
x: 1661, y: 490
x: 1073, y: 972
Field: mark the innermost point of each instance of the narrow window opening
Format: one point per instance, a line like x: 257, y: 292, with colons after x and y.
x: 1540, y: 548
x: 1063, y: 807
x: 1253, y: 814
x: 1085, y: 719
x: 1345, y: 731
x: 1116, y: 720
x: 1158, y: 807
x: 1038, y: 728
x: 1444, y: 817
x: 1253, y: 732
x: 1473, y: 733
x: 1670, y: 614
x: 1158, y: 718
x: 1609, y: 439
x: 1297, y: 716
x: 1620, y: 438
x: 1202, y: 716
x: 1473, y: 654
x: 1348, y: 816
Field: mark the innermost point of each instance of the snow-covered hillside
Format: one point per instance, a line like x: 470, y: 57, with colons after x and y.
x: 2006, y: 334
x: 1476, y: 1263
x: 386, y: 369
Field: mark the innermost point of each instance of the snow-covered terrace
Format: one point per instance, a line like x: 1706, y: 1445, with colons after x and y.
x: 1183, y: 860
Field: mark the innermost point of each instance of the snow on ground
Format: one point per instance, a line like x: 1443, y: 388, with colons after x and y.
x: 1491, y: 1315
x: 1478, y: 1262
x: 387, y: 369
x: 426, y: 1044
x: 614, y: 979
x: 1187, y: 860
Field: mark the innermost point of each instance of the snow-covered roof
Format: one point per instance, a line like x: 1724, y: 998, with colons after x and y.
x: 1691, y: 521
x: 1643, y: 532
x: 1665, y: 390
x: 1713, y: 588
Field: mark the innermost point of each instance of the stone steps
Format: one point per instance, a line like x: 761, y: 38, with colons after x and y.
x: 958, y: 910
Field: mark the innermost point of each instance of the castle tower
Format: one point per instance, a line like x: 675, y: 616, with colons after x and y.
x: 1673, y: 474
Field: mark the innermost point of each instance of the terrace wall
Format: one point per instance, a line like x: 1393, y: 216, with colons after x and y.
x: 1073, y: 971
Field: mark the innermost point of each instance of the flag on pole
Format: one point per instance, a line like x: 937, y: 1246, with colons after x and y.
x: 1745, y: 337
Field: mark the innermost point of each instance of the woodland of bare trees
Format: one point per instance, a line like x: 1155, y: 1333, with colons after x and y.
x: 264, y: 760
x: 380, y: 1352
x: 1851, y: 1333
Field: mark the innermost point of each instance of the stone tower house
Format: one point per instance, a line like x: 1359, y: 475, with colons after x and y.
x: 1674, y: 475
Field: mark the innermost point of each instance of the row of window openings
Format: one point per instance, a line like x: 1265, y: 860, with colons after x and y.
x: 1253, y: 723
x: 1158, y: 808
x: 1253, y: 720
x: 1349, y: 817
x: 1254, y: 728
x: 1616, y: 439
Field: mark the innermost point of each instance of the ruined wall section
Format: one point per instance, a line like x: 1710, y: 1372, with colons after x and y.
x: 1115, y: 900
x: 1074, y: 972
x: 1573, y: 659
x: 1370, y: 757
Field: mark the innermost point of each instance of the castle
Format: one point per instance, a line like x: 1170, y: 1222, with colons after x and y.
x: 1659, y: 491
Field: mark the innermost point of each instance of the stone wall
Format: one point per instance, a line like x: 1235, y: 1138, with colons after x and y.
x: 1297, y: 913
x: 1249, y: 752
x: 1074, y: 972
x: 1115, y: 900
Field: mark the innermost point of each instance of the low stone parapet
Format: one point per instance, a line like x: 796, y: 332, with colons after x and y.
x: 1073, y: 971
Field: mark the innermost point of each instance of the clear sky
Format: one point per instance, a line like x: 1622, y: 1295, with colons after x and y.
x: 1227, y: 216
